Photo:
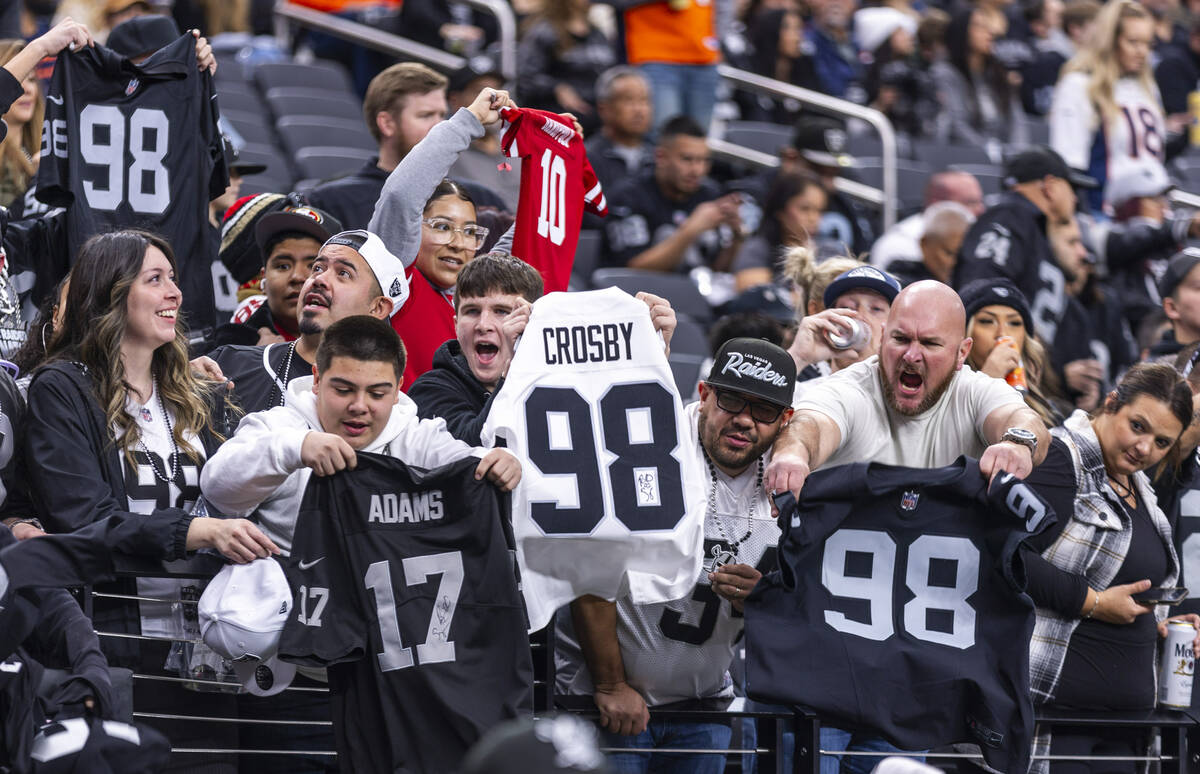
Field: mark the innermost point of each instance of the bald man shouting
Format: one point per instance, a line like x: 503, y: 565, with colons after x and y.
x: 913, y: 405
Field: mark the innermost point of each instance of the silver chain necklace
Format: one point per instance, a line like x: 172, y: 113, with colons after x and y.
x: 174, y: 446
x: 287, y: 369
x: 712, y: 504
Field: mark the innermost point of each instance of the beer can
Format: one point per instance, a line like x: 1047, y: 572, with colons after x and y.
x: 1177, y: 666
x: 1015, y: 377
x: 852, y: 339
x: 1194, y: 109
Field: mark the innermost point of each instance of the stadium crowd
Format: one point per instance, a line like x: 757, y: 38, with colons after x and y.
x: 180, y: 366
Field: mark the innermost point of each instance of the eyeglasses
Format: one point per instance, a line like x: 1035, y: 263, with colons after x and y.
x: 442, y: 233
x: 732, y: 403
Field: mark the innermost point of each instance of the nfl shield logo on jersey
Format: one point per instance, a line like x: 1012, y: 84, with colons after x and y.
x: 909, y: 501
x: 132, y: 87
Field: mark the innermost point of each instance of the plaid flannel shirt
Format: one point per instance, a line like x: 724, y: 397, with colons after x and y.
x: 1092, y: 544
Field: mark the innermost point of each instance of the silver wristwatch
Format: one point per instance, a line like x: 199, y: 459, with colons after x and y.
x: 1022, y: 436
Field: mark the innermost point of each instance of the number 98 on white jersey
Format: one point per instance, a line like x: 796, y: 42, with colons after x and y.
x: 611, y: 500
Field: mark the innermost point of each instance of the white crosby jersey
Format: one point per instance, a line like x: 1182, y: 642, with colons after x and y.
x: 1135, y: 131
x: 682, y: 650
x: 610, y: 502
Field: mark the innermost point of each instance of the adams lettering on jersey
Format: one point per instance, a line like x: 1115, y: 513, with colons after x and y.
x: 572, y: 344
x: 405, y: 507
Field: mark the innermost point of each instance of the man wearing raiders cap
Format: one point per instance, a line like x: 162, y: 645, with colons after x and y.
x: 352, y: 274
x: 630, y: 657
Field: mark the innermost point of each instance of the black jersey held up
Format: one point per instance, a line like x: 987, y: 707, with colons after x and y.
x: 896, y: 606
x: 406, y: 591
x: 137, y: 146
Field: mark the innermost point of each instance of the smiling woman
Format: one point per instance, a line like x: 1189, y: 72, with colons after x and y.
x: 1093, y: 645
x: 118, y: 423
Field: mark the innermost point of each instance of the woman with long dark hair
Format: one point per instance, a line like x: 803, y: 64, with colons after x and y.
x: 979, y: 101
x: 1094, y: 641
x: 791, y: 218
x: 119, y: 423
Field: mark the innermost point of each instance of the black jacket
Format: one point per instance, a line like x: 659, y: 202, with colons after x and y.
x: 351, y: 199
x: 1136, y: 253
x: 907, y: 272
x: 76, y: 478
x: 1009, y: 240
x: 255, y: 388
x: 452, y: 392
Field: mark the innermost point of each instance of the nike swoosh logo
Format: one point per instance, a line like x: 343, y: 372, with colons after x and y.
x: 54, y: 99
x: 310, y: 565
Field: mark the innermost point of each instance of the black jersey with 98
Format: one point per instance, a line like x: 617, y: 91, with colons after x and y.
x: 404, y: 588
x: 137, y: 146
x: 898, y: 607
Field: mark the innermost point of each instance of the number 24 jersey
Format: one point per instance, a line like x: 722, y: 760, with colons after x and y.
x: 611, y: 501
x: 898, y: 606
x: 405, y: 589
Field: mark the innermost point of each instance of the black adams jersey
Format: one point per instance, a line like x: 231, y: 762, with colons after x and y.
x: 127, y: 145
x: 406, y: 591
x: 897, y: 605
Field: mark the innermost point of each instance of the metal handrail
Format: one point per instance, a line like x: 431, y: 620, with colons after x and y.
x: 825, y: 103
x: 506, y: 20
x: 287, y: 14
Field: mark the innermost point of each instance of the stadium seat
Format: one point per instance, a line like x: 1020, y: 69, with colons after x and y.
x: 864, y: 144
x: 306, y: 185
x: 326, y: 161
x: 990, y: 176
x: 264, y: 183
x: 587, y: 255
x: 679, y: 289
x: 940, y: 155
x: 759, y: 135
x: 289, y: 101
x: 249, y: 126
x: 277, y: 164
x: 329, y: 76
x: 911, y: 177
x: 299, y: 132
x: 686, y: 370
x: 689, y: 338
x: 239, y: 100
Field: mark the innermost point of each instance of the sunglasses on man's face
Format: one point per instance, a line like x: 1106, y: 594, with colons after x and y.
x: 732, y: 403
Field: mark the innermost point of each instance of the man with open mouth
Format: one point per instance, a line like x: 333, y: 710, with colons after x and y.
x: 914, y: 405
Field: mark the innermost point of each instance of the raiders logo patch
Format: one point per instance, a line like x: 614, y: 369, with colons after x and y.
x: 396, y: 288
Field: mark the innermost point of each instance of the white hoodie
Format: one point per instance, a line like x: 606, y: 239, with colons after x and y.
x: 259, y: 468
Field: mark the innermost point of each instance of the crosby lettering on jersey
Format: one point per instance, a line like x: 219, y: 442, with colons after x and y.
x: 405, y: 507
x: 610, y: 501
x: 566, y: 345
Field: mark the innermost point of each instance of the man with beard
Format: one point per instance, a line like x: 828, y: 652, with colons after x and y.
x: 348, y: 277
x: 630, y: 657
x: 915, y: 405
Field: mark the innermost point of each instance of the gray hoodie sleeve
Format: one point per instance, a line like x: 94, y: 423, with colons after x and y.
x: 397, y: 218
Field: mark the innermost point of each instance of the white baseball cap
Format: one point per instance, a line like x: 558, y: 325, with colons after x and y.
x: 1137, y: 179
x: 388, y: 269
x: 242, y: 613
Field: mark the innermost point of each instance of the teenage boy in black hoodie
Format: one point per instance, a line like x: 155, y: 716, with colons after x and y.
x: 493, y: 297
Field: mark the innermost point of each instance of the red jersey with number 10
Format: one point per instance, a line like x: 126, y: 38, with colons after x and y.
x: 556, y: 179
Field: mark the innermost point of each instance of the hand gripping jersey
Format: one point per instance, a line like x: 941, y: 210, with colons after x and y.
x: 405, y: 590
x: 899, y: 607
x: 611, y: 500
x: 557, y: 183
x: 137, y: 146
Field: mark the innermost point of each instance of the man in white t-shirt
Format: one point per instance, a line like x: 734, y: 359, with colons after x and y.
x: 913, y: 404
